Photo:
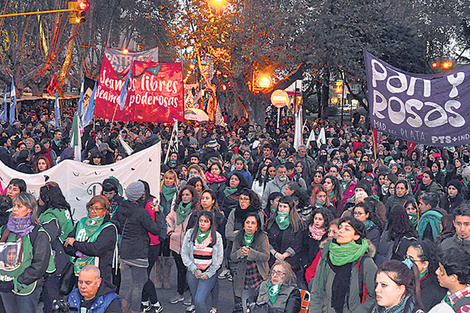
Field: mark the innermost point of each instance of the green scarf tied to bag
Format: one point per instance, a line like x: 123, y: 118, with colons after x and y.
x: 413, y: 218
x: 182, y: 211
x: 339, y: 255
x: 248, y: 239
x: 92, y: 224
x: 228, y: 191
x: 168, y: 192
x: 282, y: 220
x: 273, y: 291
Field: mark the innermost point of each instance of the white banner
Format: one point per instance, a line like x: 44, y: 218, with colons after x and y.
x: 80, y: 182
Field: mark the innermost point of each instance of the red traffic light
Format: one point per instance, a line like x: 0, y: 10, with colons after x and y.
x: 83, y: 5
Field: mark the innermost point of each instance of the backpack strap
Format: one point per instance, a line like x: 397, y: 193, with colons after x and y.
x: 363, y: 294
x: 461, y: 303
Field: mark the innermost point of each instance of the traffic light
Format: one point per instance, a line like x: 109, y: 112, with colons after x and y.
x: 79, y: 8
x: 339, y: 87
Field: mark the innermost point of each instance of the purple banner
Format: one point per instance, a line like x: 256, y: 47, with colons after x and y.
x: 429, y: 109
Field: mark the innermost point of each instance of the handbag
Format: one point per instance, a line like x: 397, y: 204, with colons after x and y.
x: 67, y: 279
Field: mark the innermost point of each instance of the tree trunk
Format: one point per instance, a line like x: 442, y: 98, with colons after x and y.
x: 67, y: 63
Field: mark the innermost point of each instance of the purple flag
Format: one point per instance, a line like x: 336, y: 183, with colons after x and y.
x: 428, y: 109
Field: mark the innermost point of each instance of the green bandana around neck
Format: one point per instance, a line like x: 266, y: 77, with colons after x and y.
x: 172, y: 163
x: 273, y: 209
x: 273, y: 291
x: 319, y: 203
x: 182, y: 211
x: 344, y: 184
x: 168, y: 192
x: 248, y: 239
x: 92, y: 224
x: 331, y: 195
x: 367, y: 223
x: 413, y: 218
x: 444, y: 171
x: 347, y: 253
x: 282, y: 220
x: 421, y: 276
x: 228, y: 191
x: 201, y: 236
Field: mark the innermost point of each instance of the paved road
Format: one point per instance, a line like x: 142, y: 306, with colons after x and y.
x: 225, y: 296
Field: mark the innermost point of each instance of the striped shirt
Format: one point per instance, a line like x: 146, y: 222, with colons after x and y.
x: 202, y: 253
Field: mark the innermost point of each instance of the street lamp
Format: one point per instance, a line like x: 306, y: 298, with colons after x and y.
x: 264, y: 81
x: 443, y: 65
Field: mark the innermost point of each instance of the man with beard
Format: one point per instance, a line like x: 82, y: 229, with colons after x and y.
x: 278, y: 184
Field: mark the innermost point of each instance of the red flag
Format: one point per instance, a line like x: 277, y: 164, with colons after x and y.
x: 375, y: 138
x: 52, y: 85
x: 411, y: 147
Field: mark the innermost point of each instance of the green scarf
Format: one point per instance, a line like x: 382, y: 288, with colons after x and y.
x: 344, y: 184
x: 347, y: 253
x: 248, y: 239
x: 465, y: 181
x: 92, y: 224
x: 319, y: 203
x: 331, y: 195
x: 413, y: 218
x: 421, y: 276
x: 228, y: 191
x: 339, y: 255
x: 270, y: 177
x: 182, y: 211
x: 201, y: 236
x: 172, y: 163
x: 273, y: 291
x: 168, y: 192
x: 273, y: 209
x: 282, y: 160
x: 444, y: 171
x: 409, y: 175
x: 367, y: 223
x: 282, y: 220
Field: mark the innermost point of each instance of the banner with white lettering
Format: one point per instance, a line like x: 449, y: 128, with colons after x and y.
x: 79, y: 182
x: 428, y: 109
x: 121, y: 60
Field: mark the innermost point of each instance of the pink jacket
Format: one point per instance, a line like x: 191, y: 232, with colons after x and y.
x: 176, y: 232
x: 154, y: 239
x: 349, y: 191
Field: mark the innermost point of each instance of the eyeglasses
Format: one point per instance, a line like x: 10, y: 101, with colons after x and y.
x: 358, y: 213
x: 244, y: 199
x: 412, y: 259
x: 277, y: 273
x: 95, y: 209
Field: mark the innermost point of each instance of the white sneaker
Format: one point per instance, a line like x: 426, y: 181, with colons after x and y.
x: 191, y: 308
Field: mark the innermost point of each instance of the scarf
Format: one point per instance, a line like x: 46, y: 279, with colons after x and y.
x: 408, y: 304
x: 273, y: 209
x: 444, y: 171
x: 317, y: 233
x: 248, y: 239
x: 367, y: 223
x: 201, y: 236
x: 211, y: 178
x: 282, y: 220
x: 182, y: 211
x: 228, y: 191
x: 413, y: 218
x: 273, y: 291
x: 168, y: 192
x: 344, y: 184
x: 331, y: 196
x: 319, y: 203
x: 92, y: 224
x: 172, y: 163
x: 340, y: 259
x: 20, y: 225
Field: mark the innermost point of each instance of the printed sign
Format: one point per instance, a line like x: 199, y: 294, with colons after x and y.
x: 425, y: 109
x: 120, y: 60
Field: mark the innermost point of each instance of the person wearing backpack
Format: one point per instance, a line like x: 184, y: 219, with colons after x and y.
x: 429, y: 225
x: 453, y: 274
x: 22, y: 277
x: 55, y: 217
x: 345, y: 276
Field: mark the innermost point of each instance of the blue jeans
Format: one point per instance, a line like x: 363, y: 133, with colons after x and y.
x: 200, y: 290
x: 15, y: 303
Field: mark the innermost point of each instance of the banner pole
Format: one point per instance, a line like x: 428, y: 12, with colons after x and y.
x: 114, y: 115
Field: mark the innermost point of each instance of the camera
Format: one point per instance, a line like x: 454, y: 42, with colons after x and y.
x: 60, y: 306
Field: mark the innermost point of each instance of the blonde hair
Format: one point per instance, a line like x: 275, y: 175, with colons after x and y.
x: 167, y: 173
x: 201, y: 172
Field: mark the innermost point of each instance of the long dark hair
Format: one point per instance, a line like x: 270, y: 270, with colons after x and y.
x: 294, y: 218
x: 399, y: 224
x: 52, y: 196
x: 211, y: 217
x: 194, y: 195
x: 401, y: 275
x: 336, y: 188
x: 215, y: 206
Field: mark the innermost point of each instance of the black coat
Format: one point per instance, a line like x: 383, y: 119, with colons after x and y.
x: 431, y: 292
x: 282, y: 240
x: 134, y: 224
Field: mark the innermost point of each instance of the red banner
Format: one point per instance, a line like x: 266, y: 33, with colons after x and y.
x: 155, y: 92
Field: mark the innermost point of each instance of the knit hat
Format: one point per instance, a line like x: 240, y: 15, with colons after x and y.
x: 192, y: 141
x: 456, y: 183
x: 466, y: 172
x: 365, y: 185
x: 212, y: 144
x: 135, y: 191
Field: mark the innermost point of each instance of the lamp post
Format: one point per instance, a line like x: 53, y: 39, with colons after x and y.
x: 443, y: 65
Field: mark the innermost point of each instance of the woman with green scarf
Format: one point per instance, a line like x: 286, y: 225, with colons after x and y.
x: 177, y: 222
x: 168, y: 189
x: 229, y: 196
x: 336, y: 284
x: 285, y: 235
x: 279, y: 293
x: 250, y: 253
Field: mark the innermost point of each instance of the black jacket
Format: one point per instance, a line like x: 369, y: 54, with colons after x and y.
x: 103, y: 248
x: 220, y: 221
x: 431, y: 292
x: 134, y: 224
x: 286, y: 241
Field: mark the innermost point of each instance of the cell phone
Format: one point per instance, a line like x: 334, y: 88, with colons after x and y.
x: 154, y: 202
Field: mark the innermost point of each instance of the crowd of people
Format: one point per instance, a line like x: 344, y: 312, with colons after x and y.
x: 362, y: 228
